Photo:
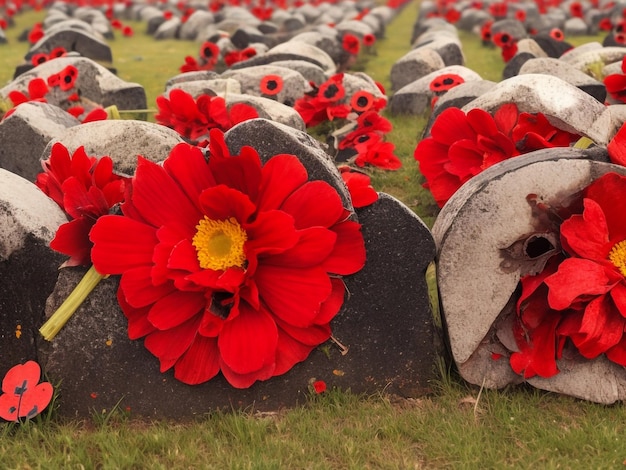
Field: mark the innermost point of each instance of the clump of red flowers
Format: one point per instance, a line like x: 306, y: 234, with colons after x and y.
x: 209, y: 55
x: 194, y: 118
x: 461, y: 145
x: 575, y: 306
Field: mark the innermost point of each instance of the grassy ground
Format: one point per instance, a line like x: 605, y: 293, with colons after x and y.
x: 459, y: 426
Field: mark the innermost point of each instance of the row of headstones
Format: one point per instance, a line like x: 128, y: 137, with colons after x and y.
x: 386, y: 324
x: 490, y: 211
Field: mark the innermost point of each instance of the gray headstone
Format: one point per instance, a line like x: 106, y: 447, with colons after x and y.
x: 122, y: 140
x: 76, y: 40
x: 168, y: 29
x: 575, y: 27
x: 25, y: 134
x: 477, y: 293
x: 414, y: 65
x: 28, y: 267
x: 195, y: 24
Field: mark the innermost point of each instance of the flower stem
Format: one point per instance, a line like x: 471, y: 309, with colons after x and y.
x: 59, y: 318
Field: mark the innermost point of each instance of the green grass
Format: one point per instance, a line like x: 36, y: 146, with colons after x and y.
x: 458, y: 426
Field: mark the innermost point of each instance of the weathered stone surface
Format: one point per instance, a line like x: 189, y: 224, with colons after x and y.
x: 168, y: 29
x: 389, y: 331
x: 269, y: 109
x: 552, y: 47
x: 25, y: 134
x: 308, y: 70
x: 87, y: 45
x: 477, y: 291
x: 197, y: 22
x: 414, y: 65
x: 28, y: 267
x: 122, y: 140
x: 249, y: 78
x: 216, y: 86
x: 415, y: 98
x: 514, y: 28
x: 575, y: 27
x: 564, y: 105
x: 449, y: 48
x: 94, y: 82
x: 513, y: 66
x: 582, y: 58
x: 191, y: 77
x: 564, y: 71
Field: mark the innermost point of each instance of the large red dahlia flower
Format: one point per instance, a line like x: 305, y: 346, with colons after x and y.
x: 228, y: 264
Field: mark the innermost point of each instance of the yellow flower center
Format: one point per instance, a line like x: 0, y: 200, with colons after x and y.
x: 219, y: 243
x: 617, y: 256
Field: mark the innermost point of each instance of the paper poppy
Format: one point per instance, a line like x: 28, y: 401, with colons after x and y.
x: 23, y: 396
x: 38, y: 59
x: 85, y: 188
x: 332, y: 90
x: 361, y: 101
x: 228, y: 265
x: 36, y: 33
x: 556, y: 33
x: 520, y: 15
x: 65, y: 79
x: 360, y: 187
x: 379, y: 154
x: 369, y: 40
x: 37, y: 90
x: 271, y: 84
x: 209, y: 52
x: 445, y: 82
x: 485, y: 32
x: 350, y: 43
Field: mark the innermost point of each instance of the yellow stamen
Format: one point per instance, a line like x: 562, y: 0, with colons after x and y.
x: 219, y: 243
x: 617, y: 256
x: 59, y: 318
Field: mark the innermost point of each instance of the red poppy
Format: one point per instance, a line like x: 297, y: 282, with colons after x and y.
x: 452, y: 15
x: 85, y: 188
x: 233, y: 57
x: 445, y: 82
x: 502, y: 38
x: 127, y: 31
x: 209, y: 53
x: 65, y: 79
x: 605, y: 24
x: 360, y: 187
x: 332, y: 90
x: 369, y: 40
x: 617, y: 147
x: 193, y: 119
x: 556, y: 33
x: 226, y: 264
x: 379, y: 154
x: 24, y: 396
x: 361, y: 101
x: 38, y: 59
x: 116, y: 24
x: 350, y: 44
x: 520, y: 15
x: 36, y: 33
x: 370, y: 124
x: 498, y: 9
x: 271, y: 85
x: 323, y: 103
x: 616, y: 84
x: 485, y: 32
x: 37, y: 90
x: 190, y: 65
x: 576, y: 9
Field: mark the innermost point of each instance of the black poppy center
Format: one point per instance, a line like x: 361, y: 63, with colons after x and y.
x: 331, y: 91
x: 67, y: 79
x: 363, y: 138
x: 271, y: 85
x: 362, y: 101
x: 448, y: 81
x: 208, y: 53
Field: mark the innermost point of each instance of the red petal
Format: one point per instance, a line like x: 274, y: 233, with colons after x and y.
x: 35, y: 400
x: 314, y: 203
x: 293, y: 295
x: 121, y: 244
x: 313, y: 247
x: 617, y: 147
x: 175, y: 308
x: 348, y: 256
x: 247, y: 343
x: 575, y: 279
x: 170, y: 345
x: 200, y: 363
x: 139, y: 291
x: 22, y: 375
x: 222, y: 202
x: 587, y: 234
x: 280, y: 176
x: 72, y: 239
x: 246, y: 380
x: 602, y: 327
x: 289, y: 352
x: 188, y: 167
x: 272, y: 232
x: 604, y: 191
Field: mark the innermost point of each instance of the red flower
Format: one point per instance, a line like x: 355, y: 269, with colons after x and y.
x: 127, y: 31
x: 65, y: 79
x: 323, y: 104
x: 576, y: 9
x: 37, y: 90
x: 226, y: 264
x: 36, y: 33
x: 369, y: 40
x: 379, y: 154
x: 233, y: 57
x: 39, y: 58
x: 445, y: 82
x: 24, y: 396
x: 350, y: 44
x: 520, y: 15
x: 271, y: 84
x: 452, y: 15
x: 616, y: 84
x: 461, y: 146
x: 85, y: 188
x: 361, y: 101
x: 319, y: 386
x: 193, y: 119
x: 368, y: 124
x: 556, y: 33
x: 617, y: 147
x: 360, y: 187
x: 605, y: 24
x: 485, y: 32
x: 580, y: 295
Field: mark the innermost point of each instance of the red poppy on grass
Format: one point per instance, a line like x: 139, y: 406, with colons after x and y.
x: 85, y: 188
x: 350, y: 43
x: 127, y: 31
x: 228, y: 264
x: 24, y: 396
x: 271, y: 85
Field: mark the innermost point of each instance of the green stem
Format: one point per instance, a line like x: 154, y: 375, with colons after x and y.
x: 59, y: 318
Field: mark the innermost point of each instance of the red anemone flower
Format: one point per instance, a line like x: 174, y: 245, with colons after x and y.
x: 228, y: 264
x: 271, y: 85
x: 350, y: 44
x: 85, y: 188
